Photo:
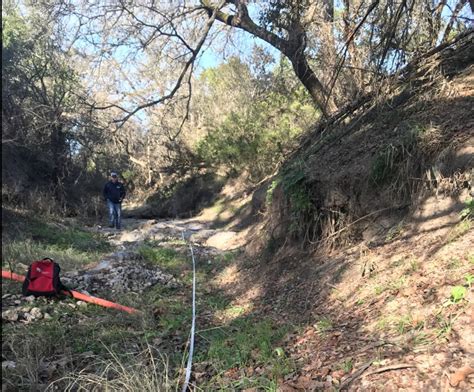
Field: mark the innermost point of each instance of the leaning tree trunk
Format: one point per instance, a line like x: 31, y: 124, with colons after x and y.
x: 315, y: 88
x: 292, y: 47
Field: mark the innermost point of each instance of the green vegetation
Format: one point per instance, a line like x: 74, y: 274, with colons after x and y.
x: 394, y: 163
x: 145, y: 371
x: 347, y: 365
x: 324, y: 325
x: 26, y: 240
x: 245, y: 342
x: 444, y: 326
x: 255, y: 135
x: 383, y: 164
x: 394, y: 232
x: 167, y: 258
x: 458, y: 293
x: 460, y: 229
x: 469, y: 278
x: 393, y: 285
x: 299, y: 198
x: 360, y: 302
x: 468, y: 211
x: 414, y: 265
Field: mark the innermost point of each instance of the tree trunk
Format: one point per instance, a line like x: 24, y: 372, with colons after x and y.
x: 317, y: 91
x: 59, y: 161
x: 293, y: 48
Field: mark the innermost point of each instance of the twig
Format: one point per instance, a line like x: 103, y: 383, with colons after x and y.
x: 356, y: 374
x: 391, y: 367
x: 210, y: 329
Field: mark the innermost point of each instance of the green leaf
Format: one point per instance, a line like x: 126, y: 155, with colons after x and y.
x: 279, y: 352
x: 458, y: 293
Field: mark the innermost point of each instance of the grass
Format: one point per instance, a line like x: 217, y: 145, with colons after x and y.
x: 323, y: 325
x: 26, y: 239
x: 413, y: 266
x: 227, y: 257
x: 66, y: 338
x: 346, y: 365
x: 167, y: 258
x: 216, y: 302
x: 395, y: 232
x: 459, y: 230
x: 145, y: 371
x: 444, y: 326
x: 233, y: 312
x: 392, y: 285
x: 246, y: 342
x: 47, y: 350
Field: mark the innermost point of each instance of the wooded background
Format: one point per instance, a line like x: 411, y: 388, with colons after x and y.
x: 93, y: 86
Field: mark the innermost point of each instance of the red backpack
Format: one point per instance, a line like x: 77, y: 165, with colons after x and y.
x: 42, y: 279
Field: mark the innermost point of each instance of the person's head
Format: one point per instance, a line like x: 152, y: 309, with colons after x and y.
x: 114, y: 177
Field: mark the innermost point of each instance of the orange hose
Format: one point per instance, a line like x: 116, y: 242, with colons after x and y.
x: 77, y: 295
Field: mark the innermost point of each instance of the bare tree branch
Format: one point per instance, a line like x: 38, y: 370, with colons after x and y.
x: 184, y: 71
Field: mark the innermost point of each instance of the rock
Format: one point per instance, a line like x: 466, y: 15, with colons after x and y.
x: 6, y: 296
x: 47, y: 316
x: 8, y: 365
x: 10, y: 315
x: 17, y: 302
x: 28, y: 318
x: 30, y: 298
x: 36, y: 313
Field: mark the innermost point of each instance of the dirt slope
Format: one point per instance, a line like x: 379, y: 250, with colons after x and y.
x: 367, y: 243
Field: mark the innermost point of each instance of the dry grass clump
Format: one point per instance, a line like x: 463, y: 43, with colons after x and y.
x: 145, y: 372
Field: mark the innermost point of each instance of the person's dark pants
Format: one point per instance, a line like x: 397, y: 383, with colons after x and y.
x: 115, y: 214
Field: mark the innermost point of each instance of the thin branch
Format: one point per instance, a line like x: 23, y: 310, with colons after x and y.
x: 184, y: 71
x: 346, y: 48
x: 188, y: 107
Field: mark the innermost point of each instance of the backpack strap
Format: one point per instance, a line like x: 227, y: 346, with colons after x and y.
x: 65, y: 288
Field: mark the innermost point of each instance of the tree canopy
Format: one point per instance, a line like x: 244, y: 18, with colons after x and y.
x: 93, y: 85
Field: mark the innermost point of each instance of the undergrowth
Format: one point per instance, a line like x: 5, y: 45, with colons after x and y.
x: 244, y: 343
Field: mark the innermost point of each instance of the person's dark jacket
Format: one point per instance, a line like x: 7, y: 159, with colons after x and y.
x: 114, y: 191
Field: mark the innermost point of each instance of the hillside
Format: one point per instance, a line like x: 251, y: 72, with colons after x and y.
x: 367, y: 236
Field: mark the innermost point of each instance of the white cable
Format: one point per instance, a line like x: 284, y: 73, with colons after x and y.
x: 193, y: 323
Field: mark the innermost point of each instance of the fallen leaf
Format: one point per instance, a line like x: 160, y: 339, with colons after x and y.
x: 199, y: 376
x: 460, y: 375
x: 324, y: 372
x: 338, y: 374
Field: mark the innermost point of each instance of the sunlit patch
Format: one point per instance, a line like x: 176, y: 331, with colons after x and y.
x: 229, y: 275
x: 233, y: 312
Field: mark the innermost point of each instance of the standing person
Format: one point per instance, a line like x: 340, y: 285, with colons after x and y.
x: 114, y: 193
